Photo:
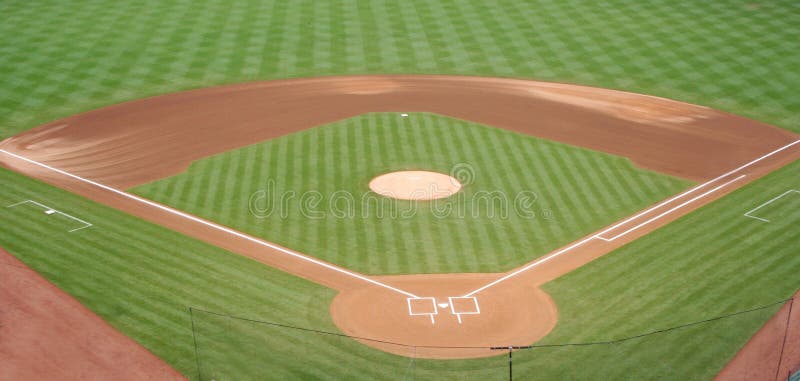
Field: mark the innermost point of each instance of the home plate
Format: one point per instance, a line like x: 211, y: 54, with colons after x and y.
x: 443, y: 305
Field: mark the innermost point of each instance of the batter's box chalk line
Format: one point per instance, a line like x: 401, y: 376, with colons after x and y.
x: 458, y: 305
x: 423, y: 306
x: 464, y: 305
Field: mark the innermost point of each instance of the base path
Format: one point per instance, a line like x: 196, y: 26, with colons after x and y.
x: 100, y: 153
x: 46, y: 334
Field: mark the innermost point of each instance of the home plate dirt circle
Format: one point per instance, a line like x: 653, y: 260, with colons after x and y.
x: 518, y: 314
x: 415, y: 185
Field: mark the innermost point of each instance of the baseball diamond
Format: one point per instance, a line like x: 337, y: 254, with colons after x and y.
x: 383, y: 190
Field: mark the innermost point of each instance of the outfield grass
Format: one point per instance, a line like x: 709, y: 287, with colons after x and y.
x: 574, y: 191
x: 62, y: 57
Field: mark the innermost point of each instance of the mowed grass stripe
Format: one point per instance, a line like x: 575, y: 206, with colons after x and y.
x: 602, y: 188
x: 540, y: 156
x: 506, y: 179
x: 249, y: 184
x: 402, y: 40
x: 627, y: 195
x: 474, y: 240
x: 498, y: 31
x: 432, y: 227
x: 565, y: 214
x: 341, y: 166
x: 189, y: 190
x: 337, y: 33
x: 357, y: 240
x: 403, y: 236
x: 357, y: 160
x: 548, y: 231
x: 233, y: 172
x: 315, y: 142
x: 459, y: 48
x: 421, y: 228
x: 578, y: 190
x: 379, y: 148
x: 375, y: 241
x: 488, y: 182
x: 446, y: 151
x: 433, y: 37
x: 632, y: 184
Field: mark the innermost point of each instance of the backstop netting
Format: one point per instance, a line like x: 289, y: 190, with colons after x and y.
x: 237, y: 348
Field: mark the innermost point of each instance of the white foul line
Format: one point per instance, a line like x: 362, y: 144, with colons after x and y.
x: 598, y: 236
x: 579, y: 243
x: 212, y: 225
x: 532, y: 265
x: 698, y: 187
x: 671, y: 210
x: 767, y: 203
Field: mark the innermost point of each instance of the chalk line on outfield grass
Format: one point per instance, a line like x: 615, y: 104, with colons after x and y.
x: 212, y: 225
x: 748, y: 214
x: 669, y: 211
x: 49, y: 210
x: 599, y: 235
x: 692, y: 190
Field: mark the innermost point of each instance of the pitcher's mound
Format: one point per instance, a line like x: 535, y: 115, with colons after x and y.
x: 415, y: 185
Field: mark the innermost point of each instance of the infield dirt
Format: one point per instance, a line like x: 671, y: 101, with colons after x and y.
x: 141, y: 141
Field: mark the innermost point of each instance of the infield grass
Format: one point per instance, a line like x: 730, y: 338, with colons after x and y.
x: 484, y: 228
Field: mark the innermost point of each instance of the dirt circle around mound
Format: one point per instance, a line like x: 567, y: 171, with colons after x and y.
x: 415, y: 185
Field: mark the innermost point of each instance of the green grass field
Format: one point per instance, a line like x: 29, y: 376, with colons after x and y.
x: 58, y: 58
x: 481, y: 229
